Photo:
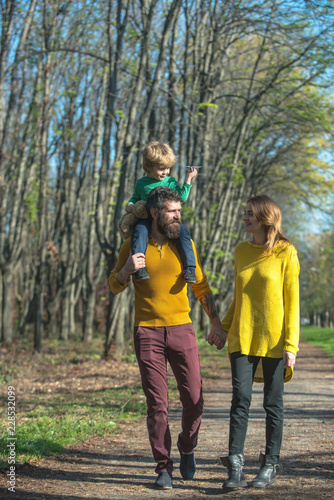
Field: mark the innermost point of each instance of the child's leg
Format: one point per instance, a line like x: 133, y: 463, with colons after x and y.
x: 139, y: 236
x: 139, y: 242
x: 185, y: 249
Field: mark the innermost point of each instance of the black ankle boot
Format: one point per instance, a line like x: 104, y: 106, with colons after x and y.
x: 236, y: 478
x: 267, y: 472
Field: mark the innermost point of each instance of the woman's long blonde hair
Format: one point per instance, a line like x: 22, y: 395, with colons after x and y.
x: 267, y: 212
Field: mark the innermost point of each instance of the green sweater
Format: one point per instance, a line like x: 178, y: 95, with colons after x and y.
x: 144, y: 186
x: 263, y: 319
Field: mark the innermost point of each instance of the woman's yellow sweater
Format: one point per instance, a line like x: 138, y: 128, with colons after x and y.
x: 263, y: 319
x: 161, y: 300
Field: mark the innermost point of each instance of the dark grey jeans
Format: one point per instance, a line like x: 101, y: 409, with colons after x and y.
x: 243, y: 370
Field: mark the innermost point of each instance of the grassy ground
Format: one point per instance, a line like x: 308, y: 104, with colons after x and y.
x: 321, y: 337
x: 56, y: 401
x: 68, y: 394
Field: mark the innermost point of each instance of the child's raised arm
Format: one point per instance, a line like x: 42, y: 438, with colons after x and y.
x: 190, y: 175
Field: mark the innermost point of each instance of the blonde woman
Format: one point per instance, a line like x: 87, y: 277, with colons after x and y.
x: 262, y: 324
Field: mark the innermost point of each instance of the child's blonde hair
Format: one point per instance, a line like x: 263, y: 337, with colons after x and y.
x: 158, y: 154
x: 266, y: 211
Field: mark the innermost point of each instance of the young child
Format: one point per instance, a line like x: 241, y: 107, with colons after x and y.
x: 158, y: 158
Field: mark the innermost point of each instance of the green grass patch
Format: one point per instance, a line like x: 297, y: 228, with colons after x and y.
x: 49, y: 419
x: 63, y: 421
x: 321, y: 337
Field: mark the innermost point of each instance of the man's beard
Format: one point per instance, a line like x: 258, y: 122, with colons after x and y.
x: 171, y: 229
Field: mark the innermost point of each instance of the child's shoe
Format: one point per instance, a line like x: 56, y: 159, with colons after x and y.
x: 190, y: 275
x: 141, y: 275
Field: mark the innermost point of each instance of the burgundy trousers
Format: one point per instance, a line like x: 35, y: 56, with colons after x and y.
x: 154, y: 347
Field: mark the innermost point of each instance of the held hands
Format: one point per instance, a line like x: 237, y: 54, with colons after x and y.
x: 217, y: 336
x: 289, y: 359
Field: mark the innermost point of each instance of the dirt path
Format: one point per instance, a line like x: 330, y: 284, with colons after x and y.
x: 122, y: 467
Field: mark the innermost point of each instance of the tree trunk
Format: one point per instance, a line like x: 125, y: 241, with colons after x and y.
x: 53, y: 310
x: 72, y: 305
x: 89, y: 311
x: 119, y: 332
x: 65, y: 315
x: 1, y: 306
x: 7, y: 318
x: 115, y: 319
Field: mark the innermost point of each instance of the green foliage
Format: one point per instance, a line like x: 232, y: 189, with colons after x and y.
x: 316, y: 254
x: 215, y: 278
x: 218, y: 252
x: 189, y: 214
x: 32, y: 203
x: 120, y: 113
x: 203, y: 105
x: 238, y: 176
x: 321, y: 337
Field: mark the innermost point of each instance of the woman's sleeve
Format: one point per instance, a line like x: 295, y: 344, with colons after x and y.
x: 228, y: 318
x: 291, y: 302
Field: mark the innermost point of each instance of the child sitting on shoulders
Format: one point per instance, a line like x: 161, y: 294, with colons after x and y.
x: 158, y: 158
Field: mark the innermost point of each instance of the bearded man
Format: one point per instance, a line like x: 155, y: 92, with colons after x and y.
x: 163, y: 332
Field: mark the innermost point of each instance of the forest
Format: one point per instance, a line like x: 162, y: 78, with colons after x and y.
x: 241, y: 87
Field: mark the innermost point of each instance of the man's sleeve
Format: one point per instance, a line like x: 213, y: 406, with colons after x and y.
x: 201, y: 287
x: 114, y: 284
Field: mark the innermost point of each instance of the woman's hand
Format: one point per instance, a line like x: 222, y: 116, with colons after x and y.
x: 217, y: 336
x: 289, y: 359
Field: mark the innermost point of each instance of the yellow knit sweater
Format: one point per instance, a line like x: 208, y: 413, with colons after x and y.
x: 263, y: 319
x: 162, y: 300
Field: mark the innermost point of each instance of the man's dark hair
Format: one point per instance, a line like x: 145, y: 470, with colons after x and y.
x: 158, y: 197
